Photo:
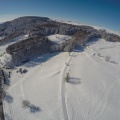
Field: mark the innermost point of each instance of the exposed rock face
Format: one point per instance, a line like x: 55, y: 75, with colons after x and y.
x: 37, y: 43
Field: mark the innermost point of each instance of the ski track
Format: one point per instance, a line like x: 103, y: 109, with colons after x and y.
x: 62, y: 92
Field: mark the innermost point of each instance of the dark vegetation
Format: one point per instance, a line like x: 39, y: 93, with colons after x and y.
x: 1, y: 95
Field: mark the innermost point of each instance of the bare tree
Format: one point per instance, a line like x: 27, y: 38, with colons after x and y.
x: 67, y: 77
x: 25, y: 103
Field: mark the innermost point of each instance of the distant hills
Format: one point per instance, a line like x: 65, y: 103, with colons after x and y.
x: 38, y: 29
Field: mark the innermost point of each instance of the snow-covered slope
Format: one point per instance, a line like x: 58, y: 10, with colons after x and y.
x: 58, y: 39
x: 91, y: 93
x: 97, y: 95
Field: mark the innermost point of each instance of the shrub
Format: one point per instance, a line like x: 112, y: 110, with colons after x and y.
x: 25, y: 103
x: 34, y: 109
x: 67, y: 77
x: 24, y: 71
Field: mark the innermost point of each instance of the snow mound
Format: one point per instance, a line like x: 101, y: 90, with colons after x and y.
x: 58, y: 39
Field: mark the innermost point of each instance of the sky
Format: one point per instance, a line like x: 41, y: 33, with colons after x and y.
x: 102, y: 13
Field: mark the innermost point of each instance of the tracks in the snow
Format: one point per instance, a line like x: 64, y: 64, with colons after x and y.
x: 62, y: 92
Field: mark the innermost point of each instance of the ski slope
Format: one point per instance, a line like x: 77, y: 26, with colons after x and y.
x: 92, y: 92
x: 97, y: 95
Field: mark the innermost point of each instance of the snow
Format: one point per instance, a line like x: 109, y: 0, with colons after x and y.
x: 40, y: 86
x: 91, y: 94
x: 58, y: 39
x: 22, y: 37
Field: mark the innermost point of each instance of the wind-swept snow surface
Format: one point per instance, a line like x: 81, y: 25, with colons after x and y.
x: 96, y: 97
x: 91, y: 93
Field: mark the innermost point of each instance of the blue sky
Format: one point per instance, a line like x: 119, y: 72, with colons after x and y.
x: 104, y: 13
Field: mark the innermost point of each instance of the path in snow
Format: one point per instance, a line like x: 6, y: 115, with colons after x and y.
x: 62, y: 92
